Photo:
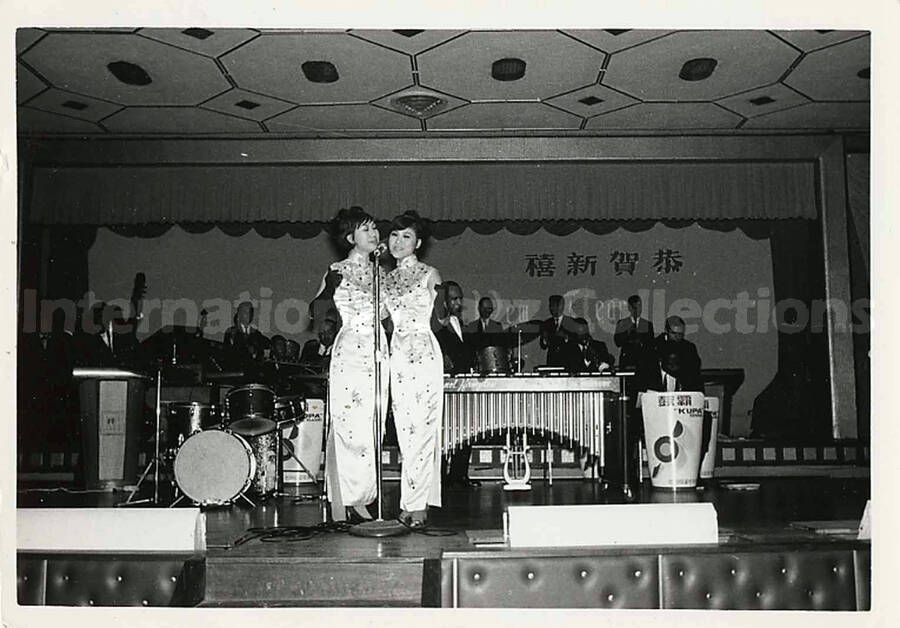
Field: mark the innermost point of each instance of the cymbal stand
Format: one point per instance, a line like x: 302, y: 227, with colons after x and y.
x: 155, y: 462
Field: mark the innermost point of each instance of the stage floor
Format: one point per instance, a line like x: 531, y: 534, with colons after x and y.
x: 762, y: 510
x: 312, y: 564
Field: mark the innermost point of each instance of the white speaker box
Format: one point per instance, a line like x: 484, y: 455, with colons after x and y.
x: 616, y: 524
x: 111, y: 529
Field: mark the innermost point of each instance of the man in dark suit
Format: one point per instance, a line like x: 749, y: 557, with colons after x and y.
x: 634, y: 336
x: 317, y: 351
x: 673, y: 370
x: 245, y: 343
x: 110, y: 343
x: 583, y: 354
x: 458, y: 358
x: 675, y: 333
x: 556, y: 331
x: 483, y: 324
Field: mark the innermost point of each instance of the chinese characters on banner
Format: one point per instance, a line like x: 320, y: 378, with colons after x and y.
x: 663, y: 261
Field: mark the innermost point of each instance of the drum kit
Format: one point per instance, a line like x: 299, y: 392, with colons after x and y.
x: 217, y: 457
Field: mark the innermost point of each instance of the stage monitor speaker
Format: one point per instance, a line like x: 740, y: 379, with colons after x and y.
x: 617, y: 524
x: 111, y: 530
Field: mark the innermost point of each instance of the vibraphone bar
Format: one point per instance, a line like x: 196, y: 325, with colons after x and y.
x: 579, y: 409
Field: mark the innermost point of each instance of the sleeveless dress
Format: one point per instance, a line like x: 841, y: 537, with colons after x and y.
x: 417, y: 383
x: 351, y: 390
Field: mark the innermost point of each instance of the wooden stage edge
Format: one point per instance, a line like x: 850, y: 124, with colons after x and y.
x: 784, y: 543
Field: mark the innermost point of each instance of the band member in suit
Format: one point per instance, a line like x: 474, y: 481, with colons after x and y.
x: 483, y: 324
x: 675, y: 333
x: 634, y: 336
x: 458, y: 358
x: 673, y: 370
x: 317, y: 351
x: 245, y: 343
x: 109, y: 345
x: 555, y: 331
x: 583, y: 354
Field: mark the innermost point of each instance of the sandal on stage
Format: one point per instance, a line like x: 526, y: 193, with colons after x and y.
x: 414, y: 520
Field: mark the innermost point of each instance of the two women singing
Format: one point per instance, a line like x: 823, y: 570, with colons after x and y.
x: 414, y: 368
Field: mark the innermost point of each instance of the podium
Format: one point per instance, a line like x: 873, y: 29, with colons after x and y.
x: 112, y: 418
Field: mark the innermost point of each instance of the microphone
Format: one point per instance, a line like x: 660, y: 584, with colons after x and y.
x: 380, y: 250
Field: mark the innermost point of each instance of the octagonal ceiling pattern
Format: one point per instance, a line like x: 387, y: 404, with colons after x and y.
x: 320, y: 83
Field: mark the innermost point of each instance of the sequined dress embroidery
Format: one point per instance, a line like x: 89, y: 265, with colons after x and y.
x: 417, y: 382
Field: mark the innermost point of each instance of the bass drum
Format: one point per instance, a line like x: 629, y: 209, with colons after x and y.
x: 214, y: 467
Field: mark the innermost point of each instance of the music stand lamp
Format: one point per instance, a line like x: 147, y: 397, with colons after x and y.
x: 378, y: 528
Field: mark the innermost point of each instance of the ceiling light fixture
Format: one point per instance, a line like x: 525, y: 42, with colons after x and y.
x: 129, y: 73
x: 418, y: 105
x: 409, y: 32
x: 74, y: 104
x: 865, y: 73
x: 197, y: 33
x: 247, y: 104
x: 508, y: 69
x: 319, y: 71
x: 697, y: 69
x: 590, y: 101
x: 762, y: 100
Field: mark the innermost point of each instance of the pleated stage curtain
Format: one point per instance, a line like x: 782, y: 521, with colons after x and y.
x: 464, y: 192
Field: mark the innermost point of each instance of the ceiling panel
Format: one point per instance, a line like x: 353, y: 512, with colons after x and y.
x: 251, y: 81
x: 846, y: 64
x: 411, y: 41
x: 341, y: 117
x: 743, y: 60
x: 273, y: 64
x: 211, y: 42
x: 815, y: 39
x: 73, y: 105
x: 615, y: 39
x: 816, y: 115
x: 763, y: 100
x: 39, y: 122
x: 80, y: 63
x: 249, y: 105
x: 554, y: 63
x: 26, y: 37
x: 659, y: 117
x: 27, y: 84
x: 592, y: 100
x: 500, y: 116
x: 179, y: 120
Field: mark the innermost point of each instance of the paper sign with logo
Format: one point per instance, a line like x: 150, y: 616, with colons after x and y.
x: 303, y: 442
x: 711, y: 418
x: 673, y: 433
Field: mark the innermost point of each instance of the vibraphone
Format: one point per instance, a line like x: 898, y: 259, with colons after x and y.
x: 580, y: 409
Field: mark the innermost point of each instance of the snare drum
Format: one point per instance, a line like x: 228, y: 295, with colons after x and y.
x: 261, y: 436
x: 186, y: 419
x: 253, y: 401
x: 214, y: 467
x: 290, y: 408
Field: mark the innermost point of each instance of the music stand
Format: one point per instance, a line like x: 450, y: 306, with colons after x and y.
x: 378, y: 527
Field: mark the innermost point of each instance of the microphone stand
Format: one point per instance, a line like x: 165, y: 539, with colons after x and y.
x: 378, y: 528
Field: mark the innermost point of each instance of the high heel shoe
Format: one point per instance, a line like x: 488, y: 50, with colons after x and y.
x: 357, y: 514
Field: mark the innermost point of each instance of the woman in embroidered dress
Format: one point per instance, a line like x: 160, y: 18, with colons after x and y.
x: 350, y: 459
x: 417, y: 379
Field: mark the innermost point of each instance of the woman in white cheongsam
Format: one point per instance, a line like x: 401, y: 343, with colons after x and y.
x: 416, y: 370
x: 350, y: 455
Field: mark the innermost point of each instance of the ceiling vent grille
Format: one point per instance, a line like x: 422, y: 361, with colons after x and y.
x: 418, y: 105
